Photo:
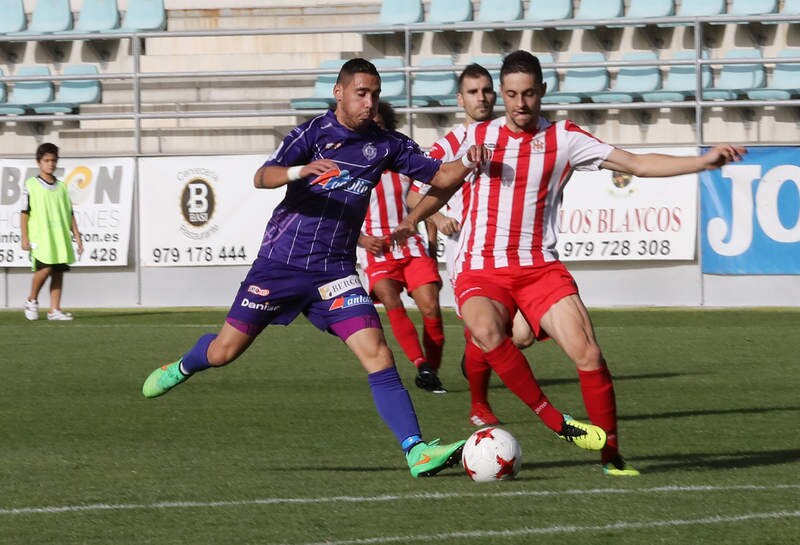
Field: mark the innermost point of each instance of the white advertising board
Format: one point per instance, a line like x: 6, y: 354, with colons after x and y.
x: 101, y: 191
x: 610, y: 216
x: 202, y: 210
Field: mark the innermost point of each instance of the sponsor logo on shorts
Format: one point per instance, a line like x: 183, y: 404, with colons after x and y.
x: 338, y: 287
x: 350, y: 301
x: 265, y: 306
x: 257, y: 290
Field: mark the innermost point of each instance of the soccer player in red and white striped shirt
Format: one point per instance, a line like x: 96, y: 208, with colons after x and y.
x: 507, y: 257
x: 391, y: 268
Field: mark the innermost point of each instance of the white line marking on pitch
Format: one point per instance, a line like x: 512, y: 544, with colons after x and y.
x: 383, y: 498
x: 620, y: 525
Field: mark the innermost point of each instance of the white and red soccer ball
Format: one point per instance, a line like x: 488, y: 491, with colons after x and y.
x: 491, y: 454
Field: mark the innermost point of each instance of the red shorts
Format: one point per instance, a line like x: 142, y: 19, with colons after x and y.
x: 532, y: 290
x: 411, y: 272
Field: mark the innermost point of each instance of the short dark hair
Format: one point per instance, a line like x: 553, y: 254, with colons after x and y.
x: 473, y: 70
x: 353, y: 67
x: 524, y: 62
x: 388, y: 116
x: 44, y: 149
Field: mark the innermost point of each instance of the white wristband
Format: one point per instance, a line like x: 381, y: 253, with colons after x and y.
x: 467, y: 163
x: 293, y: 173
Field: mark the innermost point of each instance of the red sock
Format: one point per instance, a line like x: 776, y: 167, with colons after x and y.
x: 514, y: 370
x: 478, y: 373
x: 601, y: 406
x: 405, y: 333
x: 433, y: 340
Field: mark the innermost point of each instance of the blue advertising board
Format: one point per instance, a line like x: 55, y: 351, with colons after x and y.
x: 750, y: 214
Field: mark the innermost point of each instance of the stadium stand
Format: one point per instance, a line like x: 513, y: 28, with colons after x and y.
x: 548, y: 11
x: 681, y: 80
x: 13, y: 19
x: 492, y: 64
x: 643, y: 9
x: 790, y: 7
x: 632, y: 81
x: 401, y: 12
x: 144, y: 15
x: 50, y: 16
x: 322, y: 96
x: 498, y: 11
x: 737, y: 79
x: 753, y: 7
x: 96, y: 16
x: 785, y: 83
x: 701, y: 8
x: 442, y: 12
x: 581, y: 82
x: 549, y: 75
x: 599, y: 9
x: 393, y: 84
x: 72, y: 93
x: 429, y: 88
x: 26, y: 93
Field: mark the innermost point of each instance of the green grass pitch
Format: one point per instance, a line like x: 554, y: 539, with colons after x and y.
x: 284, y: 446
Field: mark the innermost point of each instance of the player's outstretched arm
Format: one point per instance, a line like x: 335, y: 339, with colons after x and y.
x: 647, y: 165
x: 444, y: 224
x: 272, y: 176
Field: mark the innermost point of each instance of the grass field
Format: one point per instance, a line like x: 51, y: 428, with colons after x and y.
x: 285, y: 447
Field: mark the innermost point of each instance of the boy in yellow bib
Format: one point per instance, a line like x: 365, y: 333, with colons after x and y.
x: 48, y: 227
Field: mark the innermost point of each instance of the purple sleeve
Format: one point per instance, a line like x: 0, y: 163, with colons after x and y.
x: 294, y: 149
x: 411, y: 161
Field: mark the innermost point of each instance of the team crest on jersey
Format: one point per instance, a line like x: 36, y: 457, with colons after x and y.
x: 370, y: 151
x: 347, y: 301
x: 538, y: 145
x: 341, y: 179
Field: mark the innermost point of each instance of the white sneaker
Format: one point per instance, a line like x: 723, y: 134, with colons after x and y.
x: 31, y: 310
x: 58, y: 315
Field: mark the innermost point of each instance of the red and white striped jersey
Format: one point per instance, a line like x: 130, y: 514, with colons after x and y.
x: 387, y: 208
x: 515, y: 198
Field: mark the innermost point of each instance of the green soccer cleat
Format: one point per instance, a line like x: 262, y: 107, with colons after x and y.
x: 620, y: 468
x: 428, y: 459
x: 163, y: 379
x: 585, y: 436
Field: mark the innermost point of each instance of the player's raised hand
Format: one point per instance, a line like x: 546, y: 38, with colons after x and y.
x: 723, y: 154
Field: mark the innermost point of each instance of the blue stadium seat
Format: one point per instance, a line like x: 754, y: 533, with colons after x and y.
x: 753, y: 7
x: 401, y: 12
x: 580, y: 83
x: 785, y: 79
x: 144, y: 15
x: 701, y: 8
x: 681, y: 80
x: 643, y: 9
x: 442, y: 12
x: 5, y: 108
x: 25, y: 93
x: 737, y: 79
x: 549, y: 75
x: 97, y: 16
x: 548, y: 11
x: 432, y: 87
x: 50, y: 16
x: 492, y: 63
x: 498, y: 11
x: 322, y: 95
x: 13, y: 19
x: 393, y: 84
x: 632, y: 81
x: 790, y: 7
x: 599, y: 9
x: 72, y: 93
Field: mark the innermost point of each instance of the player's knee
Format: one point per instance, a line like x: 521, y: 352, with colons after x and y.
x: 523, y: 341
x: 590, y: 358
x: 487, y: 337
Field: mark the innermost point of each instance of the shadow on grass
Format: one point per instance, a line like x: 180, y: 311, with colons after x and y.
x: 617, y: 378
x: 707, y: 412
x: 716, y: 461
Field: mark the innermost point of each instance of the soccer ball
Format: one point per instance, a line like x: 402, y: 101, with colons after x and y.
x: 491, y: 454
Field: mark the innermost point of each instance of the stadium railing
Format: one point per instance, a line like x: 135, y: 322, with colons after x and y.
x: 136, y: 76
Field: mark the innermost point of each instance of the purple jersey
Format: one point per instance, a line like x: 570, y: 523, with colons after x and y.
x: 317, y: 224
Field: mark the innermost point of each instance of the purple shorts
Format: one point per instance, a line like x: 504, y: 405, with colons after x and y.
x: 274, y: 293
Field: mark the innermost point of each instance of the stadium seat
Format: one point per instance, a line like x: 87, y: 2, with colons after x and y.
x: 632, y: 81
x: 790, y: 7
x: 644, y: 9
x: 549, y: 75
x: 322, y: 96
x: 430, y: 87
x: 13, y: 19
x: 499, y: 11
x: 442, y: 12
x: 144, y: 15
x: 737, y: 79
x: 753, y: 7
x: 50, y: 16
x: 401, y: 12
x: 548, y: 11
x: 599, y: 9
x: 5, y: 108
x: 580, y: 83
x: 681, y: 80
x: 492, y: 63
x: 25, y: 93
x: 701, y: 8
x: 72, y: 93
x: 785, y: 80
x: 96, y: 16
x: 393, y: 84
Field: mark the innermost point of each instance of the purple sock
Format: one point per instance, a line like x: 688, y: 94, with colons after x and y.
x: 196, y: 359
x: 394, y: 404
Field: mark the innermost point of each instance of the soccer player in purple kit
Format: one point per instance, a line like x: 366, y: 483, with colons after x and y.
x: 307, y: 258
